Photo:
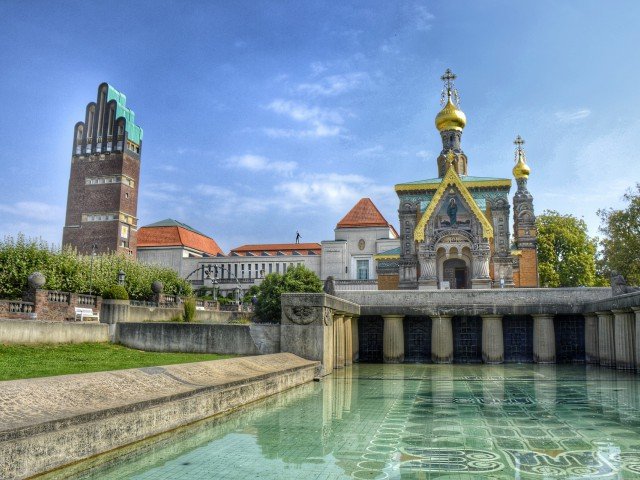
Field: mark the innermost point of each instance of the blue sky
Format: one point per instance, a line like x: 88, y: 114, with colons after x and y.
x: 263, y: 118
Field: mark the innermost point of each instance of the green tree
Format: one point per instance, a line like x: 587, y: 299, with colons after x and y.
x: 566, y: 254
x: 621, y: 242
x: 297, y: 279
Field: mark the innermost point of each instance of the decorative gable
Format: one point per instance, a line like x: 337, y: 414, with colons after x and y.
x: 450, y: 179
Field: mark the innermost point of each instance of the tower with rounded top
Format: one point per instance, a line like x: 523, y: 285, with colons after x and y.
x: 450, y: 122
x: 524, y: 221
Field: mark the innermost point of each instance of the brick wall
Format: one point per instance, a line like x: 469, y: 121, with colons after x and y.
x: 56, y: 306
x: 101, y: 198
x: 388, y: 282
x: 529, y: 268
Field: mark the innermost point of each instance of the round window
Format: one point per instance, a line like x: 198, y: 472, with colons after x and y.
x: 361, y: 244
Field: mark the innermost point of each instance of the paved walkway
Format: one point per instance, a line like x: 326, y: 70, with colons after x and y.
x: 25, y: 403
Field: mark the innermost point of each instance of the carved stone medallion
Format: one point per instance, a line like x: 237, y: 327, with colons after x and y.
x: 301, y: 314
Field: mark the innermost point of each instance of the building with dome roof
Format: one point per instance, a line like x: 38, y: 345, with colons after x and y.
x: 454, y: 229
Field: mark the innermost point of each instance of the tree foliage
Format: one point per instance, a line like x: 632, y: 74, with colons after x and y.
x: 68, y: 271
x: 621, y: 242
x: 566, y: 253
x: 297, y: 279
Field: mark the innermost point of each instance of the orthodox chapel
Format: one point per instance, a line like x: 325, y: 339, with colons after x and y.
x: 454, y: 229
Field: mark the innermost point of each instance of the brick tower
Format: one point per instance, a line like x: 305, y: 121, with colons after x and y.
x: 524, y: 222
x: 102, y: 202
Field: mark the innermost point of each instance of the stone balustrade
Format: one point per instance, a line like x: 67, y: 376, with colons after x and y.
x: 49, y: 305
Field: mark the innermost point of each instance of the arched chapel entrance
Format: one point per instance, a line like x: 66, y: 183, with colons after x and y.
x: 456, y: 272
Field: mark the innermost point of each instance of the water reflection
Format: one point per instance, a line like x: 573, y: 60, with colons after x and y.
x: 415, y: 421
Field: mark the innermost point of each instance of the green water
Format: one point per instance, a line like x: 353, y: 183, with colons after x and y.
x: 415, y: 421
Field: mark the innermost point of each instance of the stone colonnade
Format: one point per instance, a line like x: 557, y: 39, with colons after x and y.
x: 544, y: 346
x: 345, y: 339
x: 612, y: 338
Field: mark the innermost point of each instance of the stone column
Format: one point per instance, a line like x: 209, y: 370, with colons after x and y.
x: 393, y: 339
x: 338, y: 331
x: 636, y: 311
x: 492, y: 339
x: 624, y: 326
x: 348, y: 341
x: 355, y: 342
x: 441, y: 339
x: 591, y: 338
x: 544, y: 339
x: 606, y: 340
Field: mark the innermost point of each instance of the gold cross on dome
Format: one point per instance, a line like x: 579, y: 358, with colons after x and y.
x: 449, y: 89
x: 518, y: 142
x: 448, y: 78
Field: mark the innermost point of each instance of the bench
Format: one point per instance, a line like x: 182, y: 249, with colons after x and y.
x: 85, y: 313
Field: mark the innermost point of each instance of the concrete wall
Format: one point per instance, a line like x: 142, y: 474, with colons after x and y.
x: 619, y: 302
x: 120, y: 311
x: 250, y: 339
x: 54, y: 422
x: 155, y: 314
x: 508, y: 301
x: 35, y: 331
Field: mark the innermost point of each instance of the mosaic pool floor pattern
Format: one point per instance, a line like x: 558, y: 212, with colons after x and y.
x: 413, y: 421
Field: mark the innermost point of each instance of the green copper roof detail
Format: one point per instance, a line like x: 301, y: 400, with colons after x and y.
x: 393, y: 251
x: 464, y: 178
x: 134, y: 132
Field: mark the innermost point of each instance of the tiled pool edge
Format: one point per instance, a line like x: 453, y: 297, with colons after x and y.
x: 44, y: 446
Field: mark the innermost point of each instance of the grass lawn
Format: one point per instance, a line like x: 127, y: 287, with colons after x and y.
x: 29, y: 361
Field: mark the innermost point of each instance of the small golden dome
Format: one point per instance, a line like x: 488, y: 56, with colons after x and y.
x: 450, y: 118
x: 521, y: 169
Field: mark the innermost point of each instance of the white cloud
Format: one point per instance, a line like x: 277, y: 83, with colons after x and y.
x: 322, y: 122
x: 34, y: 210
x: 165, y: 187
x: 329, y: 190
x: 371, y: 151
x: 335, y: 84
x: 424, y: 154
x: 567, y: 116
x: 423, y: 19
x: 257, y: 163
x: 319, y: 67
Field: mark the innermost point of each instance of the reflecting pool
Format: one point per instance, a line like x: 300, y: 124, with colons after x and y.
x: 412, y: 421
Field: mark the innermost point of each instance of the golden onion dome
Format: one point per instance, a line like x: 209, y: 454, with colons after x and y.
x: 450, y: 117
x: 521, y: 169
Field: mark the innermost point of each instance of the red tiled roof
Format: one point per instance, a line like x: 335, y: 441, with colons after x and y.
x: 364, y: 214
x: 274, y: 248
x: 151, y: 236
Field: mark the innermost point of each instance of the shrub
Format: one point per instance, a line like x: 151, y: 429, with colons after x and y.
x: 297, y: 279
x: 115, y: 292
x: 68, y: 271
x: 189, y: 306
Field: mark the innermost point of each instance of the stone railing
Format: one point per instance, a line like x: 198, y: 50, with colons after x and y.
x: 21, y: 307
x: 87, y: 300
x: 16, y: 309
x: 349, y: 285
x: 58, y: 297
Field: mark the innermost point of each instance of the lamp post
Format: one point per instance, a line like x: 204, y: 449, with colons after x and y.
x: 121, y: 277
x: 94, y: 247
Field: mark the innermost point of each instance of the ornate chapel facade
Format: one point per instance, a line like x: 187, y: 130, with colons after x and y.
x: 454, y: 229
